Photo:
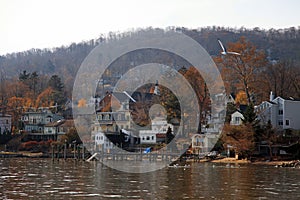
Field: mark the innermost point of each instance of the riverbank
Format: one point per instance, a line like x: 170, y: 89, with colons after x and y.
x: 245, y: 161
x: 7, y: 154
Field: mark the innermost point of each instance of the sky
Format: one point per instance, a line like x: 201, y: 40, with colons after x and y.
x: 27, y: 24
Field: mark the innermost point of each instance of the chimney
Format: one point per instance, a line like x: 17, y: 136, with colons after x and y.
x: 156, y: 89
x: 272, y: 96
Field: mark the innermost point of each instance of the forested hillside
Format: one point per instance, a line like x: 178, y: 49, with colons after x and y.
x: 282, y: 44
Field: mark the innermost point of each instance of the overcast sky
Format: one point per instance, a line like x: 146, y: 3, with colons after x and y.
x: 26, y: 24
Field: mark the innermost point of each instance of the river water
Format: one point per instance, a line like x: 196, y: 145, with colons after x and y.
x: 22, y: 178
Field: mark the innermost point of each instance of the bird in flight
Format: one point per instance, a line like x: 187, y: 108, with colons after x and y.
x: 225, y: 52
x: 130, y: 97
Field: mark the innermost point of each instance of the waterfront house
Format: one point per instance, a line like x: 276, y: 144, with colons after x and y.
x: 113, y: 113
x: 34, y: 121
x: 54, y: 130
x: 102, y: 143
x: 157, y: 133
x: 202, y: 144
x: 282, y: 113
x: 215, y: 119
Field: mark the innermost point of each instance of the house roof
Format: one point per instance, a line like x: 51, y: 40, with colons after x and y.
x: 121, y: 97
x: 55, y: 124
x: 68, y: 123
x: 287, y: 99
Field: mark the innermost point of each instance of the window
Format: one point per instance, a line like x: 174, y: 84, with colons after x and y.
x: 237, y: 120
x: 287, y: 122
x: 152, y: 138
x: 148, y: 138
x: 280, y: 112
x: 280, y: 122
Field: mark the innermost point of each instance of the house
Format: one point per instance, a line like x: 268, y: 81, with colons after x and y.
x: 34, y: 121
x: 202, y: 144
x: 215, y: 119
x: 113, y: 113
x: 102, y: 143
x: 5, y: 123
x: 282, y: 113
x: 157, y: 134
x: 236, y: 118
x: 54, y: 130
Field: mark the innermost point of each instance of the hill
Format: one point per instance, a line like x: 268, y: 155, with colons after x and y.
x: 279, y: 44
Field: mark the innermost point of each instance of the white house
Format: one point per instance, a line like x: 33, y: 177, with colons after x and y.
x: 159, y: 128
x: 236, y: 118
x: 5, y: 123
x: 215, y: 119
x: 102, y: 143
x: 203, y: 143
x: 35, y: 121
x: 54, y: 130
x: 282, y: 113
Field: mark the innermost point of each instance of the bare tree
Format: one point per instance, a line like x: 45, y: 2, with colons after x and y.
x: 242, y: 71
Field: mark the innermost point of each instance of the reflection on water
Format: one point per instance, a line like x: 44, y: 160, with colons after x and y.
x: 44, y: 179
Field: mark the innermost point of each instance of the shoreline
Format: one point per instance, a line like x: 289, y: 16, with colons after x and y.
x: 245, y: 161
x: 231, y: 160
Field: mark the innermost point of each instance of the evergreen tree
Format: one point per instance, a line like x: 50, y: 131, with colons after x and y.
x: 55, y: 83
x: 250, y: 116
x: 24, y: 76
x: 169, y: 135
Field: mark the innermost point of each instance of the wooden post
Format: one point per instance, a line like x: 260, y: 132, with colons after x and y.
x: 78, y: 151
x: 52, y: 152
x: 75, y: 151
x: 57, y: 152
x: 65, y: 150
x: 82, y: 152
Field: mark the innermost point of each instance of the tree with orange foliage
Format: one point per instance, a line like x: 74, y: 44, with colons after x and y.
x: 16, y: 106
x: 46, y: 98
x: 241, y: 98
x: 241, y: 138
x: 200, y: 88
x: 81, y: 103
x: 243, y: 71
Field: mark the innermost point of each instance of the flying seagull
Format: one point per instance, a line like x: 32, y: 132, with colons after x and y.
x: 225, y: 52
x: 130, y: 97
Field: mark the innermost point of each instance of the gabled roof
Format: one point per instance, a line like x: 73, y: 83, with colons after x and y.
x: 55, y: 124
x: 287, y: 99
x: 68, y: 123
x: 121, y: 97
